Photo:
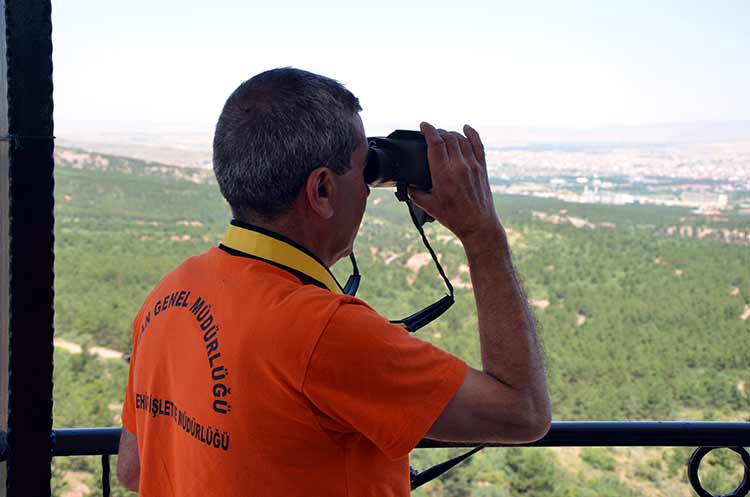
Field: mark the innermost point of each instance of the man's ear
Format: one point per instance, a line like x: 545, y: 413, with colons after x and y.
x: 319, y: 189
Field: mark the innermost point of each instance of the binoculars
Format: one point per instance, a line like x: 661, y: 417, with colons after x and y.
x: 400, y: 160
x: 401, y: 157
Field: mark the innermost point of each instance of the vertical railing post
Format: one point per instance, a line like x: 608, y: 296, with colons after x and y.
x: 28, y: 138
x: 105, y: 475
x: 4, y: 246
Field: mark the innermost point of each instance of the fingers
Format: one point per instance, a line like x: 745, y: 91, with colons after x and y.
x: 446, y: 144
x: 419, y: 197
x: 451, y: 143
x: 423, y: 200
x: 435, y: 144
x: 476, y: 143
x: 466, y: 149
x: 460, y: 197
x: 449, y: 149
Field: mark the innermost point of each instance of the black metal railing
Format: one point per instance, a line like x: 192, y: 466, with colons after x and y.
x: 706, y: 436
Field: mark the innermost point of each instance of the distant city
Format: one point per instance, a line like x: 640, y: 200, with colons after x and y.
x: 709, y: 178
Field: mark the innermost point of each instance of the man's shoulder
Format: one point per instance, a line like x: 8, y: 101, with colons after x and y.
x: 354, y: 316
x: 310, y: 299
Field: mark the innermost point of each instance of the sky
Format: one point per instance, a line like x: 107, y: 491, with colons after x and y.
x: 170, y: 64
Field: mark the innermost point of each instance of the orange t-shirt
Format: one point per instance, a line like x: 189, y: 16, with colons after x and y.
x: 245, y: 381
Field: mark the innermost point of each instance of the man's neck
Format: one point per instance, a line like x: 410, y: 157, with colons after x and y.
x: 300, y: 232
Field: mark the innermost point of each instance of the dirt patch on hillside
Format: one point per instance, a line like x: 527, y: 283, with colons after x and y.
x: 459, y: 281
x: 541, y: 304
x: 415, y: 263
x: 116, y: 410
x: 79, y: 160
x: 569, y: 458
x: 389, y: 256
x: 143, y: 222
x: 577, y: 222
x: 515, y: 238
x: 742, y: 387
x: 69, y: 347
x: 580, y: 222
x: 74, y: 348
x: 105, y: 353
x: 448, y: 239
x: 76, y: 485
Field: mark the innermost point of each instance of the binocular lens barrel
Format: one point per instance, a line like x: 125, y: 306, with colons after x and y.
x: 379, y: 169
x: 401, y: 157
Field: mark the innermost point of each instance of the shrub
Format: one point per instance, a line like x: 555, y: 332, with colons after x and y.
x: 598, y: 458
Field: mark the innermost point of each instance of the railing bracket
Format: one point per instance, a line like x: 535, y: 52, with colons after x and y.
x: 695, y: 462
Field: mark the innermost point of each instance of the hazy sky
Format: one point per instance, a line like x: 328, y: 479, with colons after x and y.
x: 171, y: 63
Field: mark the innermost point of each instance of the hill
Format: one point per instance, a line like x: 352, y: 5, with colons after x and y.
x: 637, y: 322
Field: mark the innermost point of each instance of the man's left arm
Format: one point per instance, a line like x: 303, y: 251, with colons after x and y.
x: 128, y: 461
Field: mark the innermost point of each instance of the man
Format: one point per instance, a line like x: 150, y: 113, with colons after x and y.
x: 253, y: 374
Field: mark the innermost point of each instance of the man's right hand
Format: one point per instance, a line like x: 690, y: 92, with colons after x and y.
x: 508, y: 400
x: 461, y: 199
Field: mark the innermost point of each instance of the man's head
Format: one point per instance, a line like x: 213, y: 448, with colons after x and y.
x: 277, y: 128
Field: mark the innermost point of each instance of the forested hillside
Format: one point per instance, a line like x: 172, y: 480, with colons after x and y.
x: 636, y: 324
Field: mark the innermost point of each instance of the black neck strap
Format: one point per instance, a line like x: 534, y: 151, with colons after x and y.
x: 432, y: 312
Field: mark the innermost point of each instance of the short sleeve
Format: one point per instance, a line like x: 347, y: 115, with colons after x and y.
x: 128, y: 405
x: 373, y: 376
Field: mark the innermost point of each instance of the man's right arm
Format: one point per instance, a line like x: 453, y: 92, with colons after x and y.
x: 508, y: 401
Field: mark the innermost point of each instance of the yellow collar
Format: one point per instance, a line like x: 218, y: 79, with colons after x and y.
x: 258, y: 243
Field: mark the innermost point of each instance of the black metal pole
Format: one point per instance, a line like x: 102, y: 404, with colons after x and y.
x: 28, y: 38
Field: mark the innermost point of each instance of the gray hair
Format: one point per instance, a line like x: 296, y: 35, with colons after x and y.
x: 274, y: 130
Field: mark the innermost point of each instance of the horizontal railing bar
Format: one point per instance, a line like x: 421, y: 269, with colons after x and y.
x: 85, y: 441
x: 98, y: 441
x: 632, y: 434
